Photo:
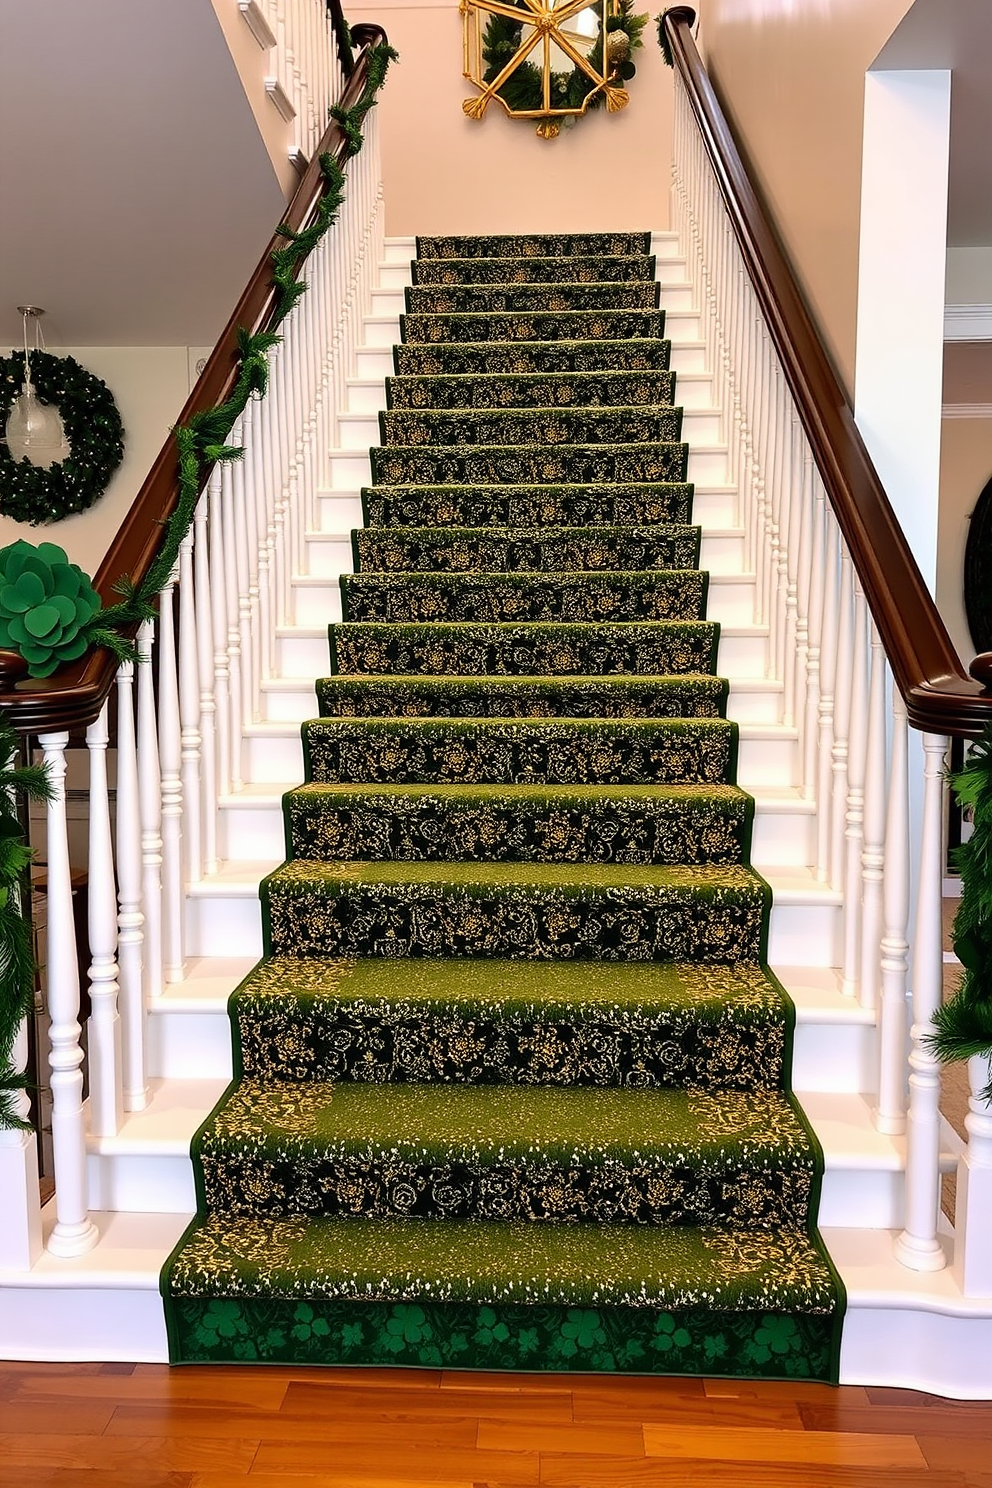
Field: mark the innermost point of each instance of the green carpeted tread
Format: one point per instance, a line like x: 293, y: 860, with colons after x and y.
x: 533, y: 245
x: 496, y: 464
x: 553, y: 649
x: 533, y: 357
x: 527, y: 911
x: 601, y: 269
x: 408, y: 598
x: 522, y: 390
x: 627, y: 1024
x: 536, y: 1153
x: 624, y: 503
x: 559, y: 751
x: 519, y: 823
x: 344, y: 696
x: 561, y: 550
x: 422, y: 328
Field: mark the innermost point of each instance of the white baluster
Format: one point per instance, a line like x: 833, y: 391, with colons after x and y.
x: 918, y: 1246
x: 105, y: 1056
x: 854, y: 816
x: 218, y: 616
x: 842, y: 722
x: 873, y: 851
x: 205, y: 675
x: 973, y: 1208
x: 74, y: 1232
x: 190, y: 738
x: 825, y: 709
x: 893, y: 1009
x: 170, y: 757
x: 130, y: 920
x: 150, y: 801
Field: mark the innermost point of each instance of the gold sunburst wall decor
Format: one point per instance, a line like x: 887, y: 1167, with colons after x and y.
x: 549, y: 60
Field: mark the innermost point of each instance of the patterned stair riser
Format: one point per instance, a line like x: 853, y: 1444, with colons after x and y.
x: 558, y: 751
x: 647, y: 647
x: 596, y: 597
x: 599, y: 506
x: 522, y: 697
x: 532, y: 357
x: 568, y: 1024
x: 523, y: 826
x: 540, y: 426
x: 558, y: 245
x: 512, y: 910
x: 477, y: 299
x: 590, y: 1156
x: 562, y: 390
x: 530, y: 464
x: 538, y: 325
x: 535, y: 550
x: 602, y: 270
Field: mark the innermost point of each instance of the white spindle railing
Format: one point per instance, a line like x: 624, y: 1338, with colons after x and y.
x: 184, y: 709
x: 854, y: 762
x: 304, y: 72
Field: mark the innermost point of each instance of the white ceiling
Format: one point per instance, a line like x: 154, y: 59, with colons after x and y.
x: 956, y: 34
x: 136, y: 193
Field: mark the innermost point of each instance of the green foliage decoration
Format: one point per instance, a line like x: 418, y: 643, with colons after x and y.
x: 963, y: 1026
x: 93, y: 427
x: 49, y: 609
x: 523, y: 90
x: 663, y: 42
x: 17, y: 966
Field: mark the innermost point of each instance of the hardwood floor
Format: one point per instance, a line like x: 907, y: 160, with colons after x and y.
x: 146, y: 1426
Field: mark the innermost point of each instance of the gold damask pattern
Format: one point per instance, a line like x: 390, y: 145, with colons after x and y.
x: 521, y: 697
x: 524, y: 245
x: 616, y: 505
x: 512, y: 1082
x: 521, y: 358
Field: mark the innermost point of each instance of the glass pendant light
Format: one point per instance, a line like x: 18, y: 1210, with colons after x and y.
x: 34, y: 429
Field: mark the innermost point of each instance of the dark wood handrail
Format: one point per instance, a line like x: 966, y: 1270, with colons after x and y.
x: 940, y: 697
x: 74, y: 696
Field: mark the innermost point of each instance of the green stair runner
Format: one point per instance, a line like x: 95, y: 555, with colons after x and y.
x: 512, y: 1081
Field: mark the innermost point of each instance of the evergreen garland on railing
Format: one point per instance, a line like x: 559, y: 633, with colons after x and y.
x: 17, y: 963
x: 201, y: 442
x: 963, y: 1026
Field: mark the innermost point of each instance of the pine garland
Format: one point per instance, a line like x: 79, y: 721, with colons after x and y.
x: 17, y: 964
x: 663, y: 41
x: 963, y: 1026
x: 523, y: 90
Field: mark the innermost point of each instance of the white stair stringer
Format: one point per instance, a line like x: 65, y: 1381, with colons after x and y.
x: 901, y: 1328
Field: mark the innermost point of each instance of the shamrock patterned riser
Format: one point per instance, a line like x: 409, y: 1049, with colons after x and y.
x: 522, y: 357
x: 558, y: 751
x: 536, y: 912
x: 542, y: 245
x: 561, y: 390
x: 522, y: 697
x: 400, y: 465
x: 529, y: 550
x: 647, y: 1025
x: 591, y: 505
x: 645, y: 647
x: 544, y: 1155
x: 407, y: 598
x: 537, y: 426
x: 442, y: 1292
x: 604, y: 269
x: 560, y: 325
x: 521, y: 824
x: 474, y: 299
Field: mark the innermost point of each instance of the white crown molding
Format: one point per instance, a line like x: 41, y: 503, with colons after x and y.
x: 968, y: 322
x: 966, y: 410
x: 257, y: 24
x: 278, y: 95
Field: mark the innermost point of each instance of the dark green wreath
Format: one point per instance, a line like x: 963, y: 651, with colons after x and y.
x: 92, y: 426
x: 523, y: 90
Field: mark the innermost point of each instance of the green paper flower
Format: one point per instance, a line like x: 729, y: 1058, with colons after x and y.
x: 46, y: 605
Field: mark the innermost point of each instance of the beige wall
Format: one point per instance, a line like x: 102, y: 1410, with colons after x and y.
x: 965, y: 467
x: 445, y: 173
x: 150, y: 384
x: 791, y: 78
